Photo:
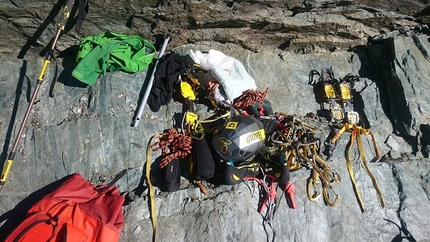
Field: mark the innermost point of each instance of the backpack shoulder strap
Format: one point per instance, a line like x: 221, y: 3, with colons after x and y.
x: 22, y: 231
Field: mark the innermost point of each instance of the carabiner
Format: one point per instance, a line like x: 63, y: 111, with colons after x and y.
x: 193, y: 131
x: 335, y: 176
x: 330, y: 175
x: 197, y: 136
x: 326, y: 189
x: 313, y: 192
x: 293, y: 163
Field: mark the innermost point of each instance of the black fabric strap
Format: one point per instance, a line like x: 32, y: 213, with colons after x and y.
x: 116, y: 178
x: 82, y: 13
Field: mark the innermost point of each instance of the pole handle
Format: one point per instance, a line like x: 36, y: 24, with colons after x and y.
x: 65, y: 14
x: 63, y: 20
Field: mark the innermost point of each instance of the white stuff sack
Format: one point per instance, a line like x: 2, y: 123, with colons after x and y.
x: 230, y: 72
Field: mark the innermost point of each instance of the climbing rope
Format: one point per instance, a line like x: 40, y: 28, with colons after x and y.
x: 172, y: 145
x: 249, y: 97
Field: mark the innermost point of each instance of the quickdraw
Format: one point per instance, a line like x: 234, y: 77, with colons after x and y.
x: 321, y: 171
x: 297, y: 143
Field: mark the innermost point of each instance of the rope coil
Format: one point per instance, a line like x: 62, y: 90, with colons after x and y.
x: 172, y: 145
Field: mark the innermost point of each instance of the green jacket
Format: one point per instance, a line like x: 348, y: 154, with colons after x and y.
x: 111, y: 52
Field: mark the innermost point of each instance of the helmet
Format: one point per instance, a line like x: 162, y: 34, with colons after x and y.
x: 239, y: 139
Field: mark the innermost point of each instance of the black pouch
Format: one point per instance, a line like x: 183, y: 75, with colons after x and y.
x: 284, y: 175
x: 172, y: 175
x: 280, y: 168
x: 235, y: 173
x: 203, y: 160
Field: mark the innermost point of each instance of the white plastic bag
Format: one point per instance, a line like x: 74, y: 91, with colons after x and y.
x: 230, y: 72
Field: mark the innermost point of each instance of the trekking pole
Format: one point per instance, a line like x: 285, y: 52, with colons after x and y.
x: 150, y: 83
x: 61, y: 25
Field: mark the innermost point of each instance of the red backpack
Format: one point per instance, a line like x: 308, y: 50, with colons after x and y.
x: 76, y: 211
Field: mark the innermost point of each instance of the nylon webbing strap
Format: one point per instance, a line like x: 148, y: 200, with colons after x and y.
x: 356, y: 133
x: 151, y: 189
x: 351, y: 171
x: 82, y: 13
x: 114, y: 180
x: 366, y: 167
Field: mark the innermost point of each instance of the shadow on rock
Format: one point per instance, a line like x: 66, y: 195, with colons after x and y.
x: 69, y: 62
x: 378, y: 59
x: 403, y: 235
x: 15, y: 216
x: 32, y: 41
x: 425, y: 139
x: 18, y: 92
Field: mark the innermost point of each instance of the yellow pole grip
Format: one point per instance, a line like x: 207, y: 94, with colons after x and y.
x: 5, y: 171
x: 44, y: 68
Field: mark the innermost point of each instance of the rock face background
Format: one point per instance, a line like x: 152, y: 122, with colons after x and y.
x: 87, y: 129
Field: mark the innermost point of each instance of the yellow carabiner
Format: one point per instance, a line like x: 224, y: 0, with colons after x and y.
x: 313, y: 182
x: 293, y: 163
x: 326, y: 195
x: 195, y: 130
x: 334, y: 176
x: 191, y: 117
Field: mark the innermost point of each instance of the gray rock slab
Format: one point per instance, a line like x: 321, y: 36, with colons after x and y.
x: 87, y: 129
